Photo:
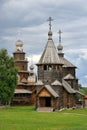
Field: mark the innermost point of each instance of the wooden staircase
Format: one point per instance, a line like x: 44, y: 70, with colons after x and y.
x: 45, y: 109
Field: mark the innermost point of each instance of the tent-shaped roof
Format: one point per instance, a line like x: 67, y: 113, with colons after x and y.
x: 49, y: 55
x: 50, y: 90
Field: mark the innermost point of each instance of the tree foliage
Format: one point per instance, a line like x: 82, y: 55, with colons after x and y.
x: 83, y: 90
x: 8, y: 77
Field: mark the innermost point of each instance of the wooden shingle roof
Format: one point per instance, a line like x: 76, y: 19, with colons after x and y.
x: 50, y: 55
x: 21, y: 91
x: 50, y: 90
x: 68, y: 88
x: 66, y: 63
x: 63, y: 60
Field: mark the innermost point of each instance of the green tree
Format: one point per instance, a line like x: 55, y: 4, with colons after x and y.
x: 8, y: 77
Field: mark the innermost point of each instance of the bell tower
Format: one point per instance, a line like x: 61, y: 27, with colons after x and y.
x: 49, y: 65
x: 21, y: 62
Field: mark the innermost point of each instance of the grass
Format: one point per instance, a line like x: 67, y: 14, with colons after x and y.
x: 26, y: 118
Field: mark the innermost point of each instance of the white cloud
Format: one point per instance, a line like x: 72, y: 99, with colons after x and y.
x: 34, y: 58
x: 29, y: 17
x: 82, y: 53
x: 85, y: 76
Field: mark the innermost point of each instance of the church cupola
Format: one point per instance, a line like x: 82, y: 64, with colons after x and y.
x: 32, y: 69
x: 21, y: 62
x: 60, y: 47
x: 19, y: 45
x: 49, y: 35
x: 49, y: 55
x: 32, y: 76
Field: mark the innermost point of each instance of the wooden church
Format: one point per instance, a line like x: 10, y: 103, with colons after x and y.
x: 24, y: 92
x: 57, y: 84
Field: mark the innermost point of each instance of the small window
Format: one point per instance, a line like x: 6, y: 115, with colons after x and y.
x: 45, y: 67
x: 23, y: 66
x: 49, y: 67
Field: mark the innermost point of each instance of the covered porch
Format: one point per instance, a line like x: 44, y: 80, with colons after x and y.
x: 47, y: 99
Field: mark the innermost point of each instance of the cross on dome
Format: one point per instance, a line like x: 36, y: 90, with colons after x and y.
x: 50, y: 19
x: 60, y: 47
x: 60, y: 36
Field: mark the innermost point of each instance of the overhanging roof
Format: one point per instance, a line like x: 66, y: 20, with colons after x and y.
x: 22, y: 91
x: 67, y: 87
x: 66, y: 63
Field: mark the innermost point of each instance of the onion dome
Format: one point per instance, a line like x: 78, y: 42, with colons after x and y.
x: 32, y: 68
x: 49, y: 35
x: 60, y: 47
x: 19, y: 43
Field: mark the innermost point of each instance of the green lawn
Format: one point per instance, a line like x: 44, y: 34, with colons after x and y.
x: 26, y: 118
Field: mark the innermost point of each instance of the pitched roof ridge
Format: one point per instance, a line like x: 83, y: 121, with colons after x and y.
x: 56, y: 82
x: 39, y: 82
x: 51, y: 90
x: 69, y: 76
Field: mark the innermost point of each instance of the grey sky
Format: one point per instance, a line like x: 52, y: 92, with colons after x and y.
x: 29, y: 17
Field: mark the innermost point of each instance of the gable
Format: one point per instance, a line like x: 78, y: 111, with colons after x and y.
x: 44, y: 93
x: 69, y: 76
x: 56, y: 82
x: 47, y: 91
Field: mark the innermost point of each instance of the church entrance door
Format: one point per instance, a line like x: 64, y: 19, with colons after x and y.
x: 45, y: 101
x: 48, y: 101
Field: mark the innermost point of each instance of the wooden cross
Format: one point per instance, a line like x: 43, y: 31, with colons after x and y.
x: 60, y: 36
x: 50, y: 19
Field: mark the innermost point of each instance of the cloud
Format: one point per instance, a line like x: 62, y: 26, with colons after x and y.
x: 85, y: 76
x: 30, y: 18
x: 34, y: 58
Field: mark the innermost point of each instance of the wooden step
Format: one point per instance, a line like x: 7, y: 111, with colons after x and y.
x: 45, y: 109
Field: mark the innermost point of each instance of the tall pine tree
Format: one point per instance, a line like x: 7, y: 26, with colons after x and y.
x: 8, y: 77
